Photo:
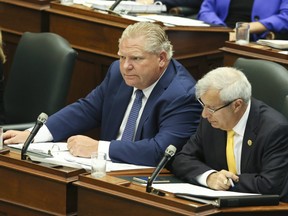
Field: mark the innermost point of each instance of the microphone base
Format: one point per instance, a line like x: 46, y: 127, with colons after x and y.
x: 155, y: 191
x: 23, y: 156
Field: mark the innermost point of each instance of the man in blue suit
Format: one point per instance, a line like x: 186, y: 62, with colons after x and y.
x: 169, y: 113
x: 256, y: 156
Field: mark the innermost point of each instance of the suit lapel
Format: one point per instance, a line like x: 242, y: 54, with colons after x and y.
x: 158, y: 90
x: 120, y: 103
x: 249, y: 136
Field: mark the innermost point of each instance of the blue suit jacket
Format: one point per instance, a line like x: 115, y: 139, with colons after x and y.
x: 273, y: 15
x: 170, y: 116
x: 264, y: 158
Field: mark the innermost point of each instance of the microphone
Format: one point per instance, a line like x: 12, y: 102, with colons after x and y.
x: 42, y: 118
x: 169, y: 153
x: 114, y: 5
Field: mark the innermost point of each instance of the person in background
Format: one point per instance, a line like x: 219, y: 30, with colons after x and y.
x: 267, y: 20
x: 186, y: 7
x: 2, y: 61
x: 169, y: 111
x: 254, y: 157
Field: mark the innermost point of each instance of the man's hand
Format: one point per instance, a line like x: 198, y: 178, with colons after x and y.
x: 82, y: 146
x: 220, y: 180
x: 14, y: 137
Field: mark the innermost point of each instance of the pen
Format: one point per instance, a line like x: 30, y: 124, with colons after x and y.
x: 231, y: 182
x: 142, y: 181
x: 161, y: 181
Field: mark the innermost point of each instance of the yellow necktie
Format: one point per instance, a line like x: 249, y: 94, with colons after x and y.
x: 230, y: 152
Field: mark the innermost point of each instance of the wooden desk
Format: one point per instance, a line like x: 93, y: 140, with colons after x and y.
x: 95, y: 36
x: 232, y: 51
x: 114, y: 196
x: 29, y: 188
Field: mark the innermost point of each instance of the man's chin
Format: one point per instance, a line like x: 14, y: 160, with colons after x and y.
x: 214, y: 124
x: 129, y: 82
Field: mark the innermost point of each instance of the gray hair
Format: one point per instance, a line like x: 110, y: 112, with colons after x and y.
x: 156, y: 39
x: 231, y: 83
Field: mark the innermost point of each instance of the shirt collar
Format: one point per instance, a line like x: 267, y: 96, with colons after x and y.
x: 239, y: 128
x: 147, y: 91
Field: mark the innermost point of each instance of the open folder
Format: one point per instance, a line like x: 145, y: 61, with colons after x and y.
x: 233, y: 201
x: 217, y: 198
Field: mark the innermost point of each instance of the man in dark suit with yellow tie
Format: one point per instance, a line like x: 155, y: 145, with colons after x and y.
x: 254, y: 159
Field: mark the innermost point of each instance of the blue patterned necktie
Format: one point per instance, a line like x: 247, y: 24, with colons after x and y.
x: 128, y: 134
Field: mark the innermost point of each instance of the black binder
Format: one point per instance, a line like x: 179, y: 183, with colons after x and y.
x: 233, y: 201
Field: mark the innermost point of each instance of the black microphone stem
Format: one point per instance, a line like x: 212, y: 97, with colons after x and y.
x: 42, y: 118
x: 169, y: 153
x: 114, y: 5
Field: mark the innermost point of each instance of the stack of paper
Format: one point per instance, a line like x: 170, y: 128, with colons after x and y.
x: 58, y: 154
x: 174, y: 20
x: 129, y: 7
x: 278, y: 44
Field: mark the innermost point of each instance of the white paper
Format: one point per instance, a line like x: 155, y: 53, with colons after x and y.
x: 45, y: 148
x: 58, y: 154
x: 174, y: 20
x: 196, y: 190
x: 278, y: 44
x: 127, y: 6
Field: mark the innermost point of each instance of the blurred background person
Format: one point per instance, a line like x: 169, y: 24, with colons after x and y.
x: 268, y: 20
x: 188, y: 8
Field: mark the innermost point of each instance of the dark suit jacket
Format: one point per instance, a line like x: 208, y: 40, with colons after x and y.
x: 264, y: 164
x: 170, y: 116
x: 194, y: 4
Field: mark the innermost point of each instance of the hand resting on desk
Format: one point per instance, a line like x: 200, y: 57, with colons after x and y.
x: 78, y: 145
x: 219, y: 180
x: 82, y: 146
x: 15, y: 137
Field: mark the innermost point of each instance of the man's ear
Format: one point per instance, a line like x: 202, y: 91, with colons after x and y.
x: 163, y: 59
x: 238, y: 104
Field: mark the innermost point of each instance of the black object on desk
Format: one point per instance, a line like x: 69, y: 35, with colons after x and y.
x: 233, y: 201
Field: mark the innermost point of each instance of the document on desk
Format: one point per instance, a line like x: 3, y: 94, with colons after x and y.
x: 58, y: 154
x: 45, y: 149
x: 278, y: 44
x: 127, y: 6
x: 186, y: 188
x: 174, y: 20
x: 217, y: 198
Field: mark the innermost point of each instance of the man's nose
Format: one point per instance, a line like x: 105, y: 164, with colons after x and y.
x: 205, y: 113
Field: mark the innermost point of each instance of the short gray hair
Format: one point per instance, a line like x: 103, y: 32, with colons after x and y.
x: 231, y: 83
x: 156, y: 39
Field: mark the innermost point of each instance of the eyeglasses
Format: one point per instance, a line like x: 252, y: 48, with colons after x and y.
x: 214, y: 110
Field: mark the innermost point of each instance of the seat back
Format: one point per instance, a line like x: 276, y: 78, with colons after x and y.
x: 39, y: 78
x: 269, y: 82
